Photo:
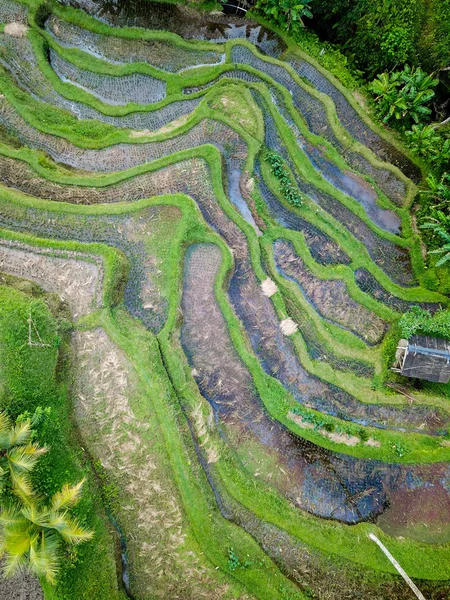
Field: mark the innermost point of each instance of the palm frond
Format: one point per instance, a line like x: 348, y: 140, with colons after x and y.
x: 13, y: 564
x: 74, y: 533
x: 11, y: 516
x: 67, y: 497
x: 24, y: 458
x: 44, y: 559
x: 17, y: 542
x: 20, y: 433
x: 36, y: 514
x: 21, y: 486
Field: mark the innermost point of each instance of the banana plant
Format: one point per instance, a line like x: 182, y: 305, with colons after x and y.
x: 288, y: 14
x: 404, y: 95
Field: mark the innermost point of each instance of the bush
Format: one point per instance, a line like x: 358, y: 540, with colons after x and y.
x: 420, y: 321
x: 403, y: 96
x: 286, y: 14
x: 426, y: 141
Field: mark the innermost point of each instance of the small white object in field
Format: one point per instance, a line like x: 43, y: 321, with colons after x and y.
x: 288, y: 326
x: 269, y: 287
x: 17, y: 30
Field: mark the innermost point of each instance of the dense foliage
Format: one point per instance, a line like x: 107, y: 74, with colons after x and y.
x: 382, y: 36
x: 287, y: 14
x: 404, y: 95
x: 420, y: 321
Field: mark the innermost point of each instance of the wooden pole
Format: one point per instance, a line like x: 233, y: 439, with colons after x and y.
x: 402, y: 572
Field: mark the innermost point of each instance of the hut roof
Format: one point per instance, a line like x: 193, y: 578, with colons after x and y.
x: 427, y: 358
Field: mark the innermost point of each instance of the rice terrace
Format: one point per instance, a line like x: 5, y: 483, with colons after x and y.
x: 224, y: 312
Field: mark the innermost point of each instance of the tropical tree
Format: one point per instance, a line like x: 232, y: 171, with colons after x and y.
x: 287, y: 14
x: 18, y: 455
x: 33, y: 532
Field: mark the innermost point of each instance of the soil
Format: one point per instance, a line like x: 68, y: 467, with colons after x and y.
x: 22, y: 587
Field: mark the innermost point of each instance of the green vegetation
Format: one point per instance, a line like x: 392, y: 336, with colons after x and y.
x: 399, y: 51
x: 235, y: 509
x: 287, y: 14
x: 33, y: 531
x: 287, y: 187
x: 420, y: 321
x: 29, y: 379
x: 404, y: 95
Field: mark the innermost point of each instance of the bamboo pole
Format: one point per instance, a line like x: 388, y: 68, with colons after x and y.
x: 402, y: 572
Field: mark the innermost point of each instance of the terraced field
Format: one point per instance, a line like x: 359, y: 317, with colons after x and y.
x: 230, y: 327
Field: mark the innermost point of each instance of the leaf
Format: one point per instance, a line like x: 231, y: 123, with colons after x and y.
x: 21, y: 486
x: 67, y: 497
x: 44, y: 559
x: 24, y: 458
x: 20, y: 433
x: 13, y: 564
x: 73, y: 533
x: 444, y: 259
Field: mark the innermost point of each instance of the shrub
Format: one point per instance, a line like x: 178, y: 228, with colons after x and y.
x: 404, y: 96
x: 420, y: 321
x: 286, y: 14
x: 426, y: 141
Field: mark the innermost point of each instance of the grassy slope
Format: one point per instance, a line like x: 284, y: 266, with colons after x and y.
x: 36, y: 376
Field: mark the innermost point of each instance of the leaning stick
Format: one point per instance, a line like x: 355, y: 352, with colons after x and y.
x: 403, y: 573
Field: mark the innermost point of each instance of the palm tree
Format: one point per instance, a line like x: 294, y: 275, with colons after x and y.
x: 18, y: 454
x: 33, y: 532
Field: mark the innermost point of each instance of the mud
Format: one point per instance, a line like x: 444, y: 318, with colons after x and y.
x: 315, y: 480
x: 329, y: 297
x: 22, y: 587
